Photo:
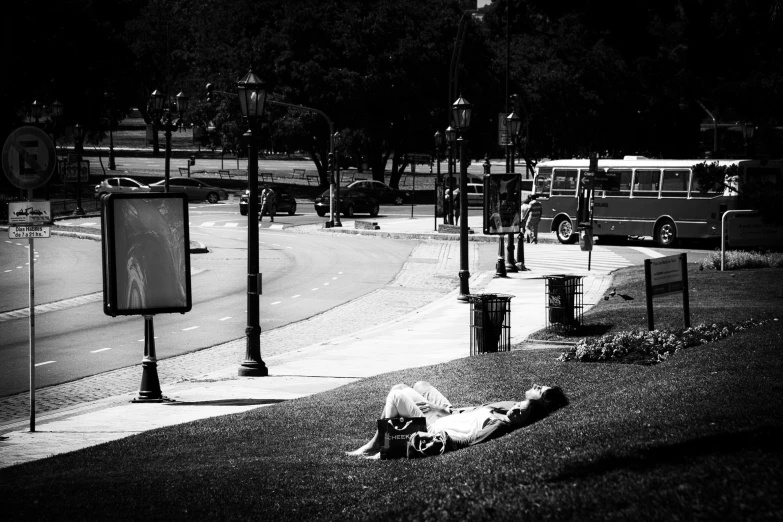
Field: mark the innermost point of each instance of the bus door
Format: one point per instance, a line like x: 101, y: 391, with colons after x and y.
x: 612, y: 208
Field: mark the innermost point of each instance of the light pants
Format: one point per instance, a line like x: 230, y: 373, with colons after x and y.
x: 402, y: 399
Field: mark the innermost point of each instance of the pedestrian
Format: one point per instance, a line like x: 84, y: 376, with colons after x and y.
x: 450, y: 428
x: 533, y: 219
x: 456, y: 202
x: 524, y: 212
x: 267, y: 203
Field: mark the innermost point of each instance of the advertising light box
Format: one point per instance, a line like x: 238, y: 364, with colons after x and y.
x: 146, y: 255
x: 502, y: 194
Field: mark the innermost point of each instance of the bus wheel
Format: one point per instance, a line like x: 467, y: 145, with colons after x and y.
x: 565, y: 232
x: 665, y: 233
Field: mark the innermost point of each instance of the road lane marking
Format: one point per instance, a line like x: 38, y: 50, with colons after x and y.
x: 224, y: 318
x: 314, y: 289
x: 101, y: 350
x: 232, y: 225
x: 189, y: 328
x: 295, y: 296
x: 10, y: 270
x: 276, y: 302
x: 326, y: 283
x: 334, y: 278
x: 47, y: 362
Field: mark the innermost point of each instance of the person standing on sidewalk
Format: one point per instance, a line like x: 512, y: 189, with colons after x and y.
x: 533, y: 219
x: 524, y: 212
x: 267, y: 203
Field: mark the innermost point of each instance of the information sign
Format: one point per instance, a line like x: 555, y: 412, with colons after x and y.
x: 664, y: 276
x: 34, y: 231
x: 71, y: 170
x: 752, y: 231
x: 29, y: 212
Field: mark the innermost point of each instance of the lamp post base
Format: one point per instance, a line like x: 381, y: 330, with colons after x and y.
x: 78, y: 212
x: 500, y: 266
x: 253, y: 369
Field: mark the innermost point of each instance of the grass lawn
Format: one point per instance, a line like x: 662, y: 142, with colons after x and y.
x: 694, y: 438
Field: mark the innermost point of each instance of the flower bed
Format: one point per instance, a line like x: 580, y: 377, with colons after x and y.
x: 642, y: 347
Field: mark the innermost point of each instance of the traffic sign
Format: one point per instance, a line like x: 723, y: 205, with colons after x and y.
x: 29, y: 212
x: 28, y: 157
x: 70, y: 171
x: 36, y: 231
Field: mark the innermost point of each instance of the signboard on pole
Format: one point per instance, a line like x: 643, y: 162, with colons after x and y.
x: 70, y: 171
x: 665, y: 276
x: 28, y: 231
x: 28, y: 157
x: 29, y: 212
x: 752, y: 231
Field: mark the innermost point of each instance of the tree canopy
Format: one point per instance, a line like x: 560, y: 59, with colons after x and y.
x: 590, y: 75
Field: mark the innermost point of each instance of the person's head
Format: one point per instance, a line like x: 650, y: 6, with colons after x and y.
x: 423, y: 444
x: 546, y: 398
x: 528, y: 199
x: 525, y: 412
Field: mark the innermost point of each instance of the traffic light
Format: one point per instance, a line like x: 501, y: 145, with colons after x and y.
x: 210, y: 93
x: 331, y: 161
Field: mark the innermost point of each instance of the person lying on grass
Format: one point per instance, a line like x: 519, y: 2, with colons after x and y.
x: 450, y: 428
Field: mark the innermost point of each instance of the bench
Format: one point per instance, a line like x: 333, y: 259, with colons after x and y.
x: 313, y: 179
x: 298, y: 174
x: 224, y: 174
x: 184, y: 171
x: 266, y: 177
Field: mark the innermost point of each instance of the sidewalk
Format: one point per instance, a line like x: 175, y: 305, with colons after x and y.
x: 435, y: 333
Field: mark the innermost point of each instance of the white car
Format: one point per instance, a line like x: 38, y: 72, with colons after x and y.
x: 119, y: 186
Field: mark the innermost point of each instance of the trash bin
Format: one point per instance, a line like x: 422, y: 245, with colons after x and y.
x: 490, y: 323
x: 564, y: 301
x: 193, y: 160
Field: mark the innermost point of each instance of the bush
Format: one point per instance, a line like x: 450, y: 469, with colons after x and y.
x: 737, y: 259
x: 642, y: 347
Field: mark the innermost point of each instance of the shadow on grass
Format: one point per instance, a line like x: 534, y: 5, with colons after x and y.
x: 586, y: 330
x: 763, y: 439
x: 227, y: 402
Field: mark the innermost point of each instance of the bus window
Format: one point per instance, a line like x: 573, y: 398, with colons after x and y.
x: 705, y: 191
x: 564, y: 182
x: 675, y: 183
x: 625, y: 184
x: 543, y: 182
x: 646, y: 183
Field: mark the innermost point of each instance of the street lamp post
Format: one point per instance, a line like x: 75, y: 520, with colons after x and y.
x: 438, y: 140
x: 163, y: 117
x: 109, y: 102
x: 451, y: 138
x: 747, y: 132
x: 513, y: 124
x: 461, y: 111
x: 338, y: 141
x: 78, y: 140
x: 251, y: 99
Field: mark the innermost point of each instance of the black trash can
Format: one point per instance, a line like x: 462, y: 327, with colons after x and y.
x: 490, y: 323
x: 564, y: 301
x: 193, y: 160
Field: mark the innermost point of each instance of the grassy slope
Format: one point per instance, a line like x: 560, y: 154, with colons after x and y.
x: 696, y: 437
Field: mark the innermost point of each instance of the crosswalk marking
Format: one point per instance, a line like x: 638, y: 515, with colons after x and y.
x: 571, y: 259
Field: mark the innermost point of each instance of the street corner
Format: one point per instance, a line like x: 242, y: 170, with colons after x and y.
x: 196, y: 247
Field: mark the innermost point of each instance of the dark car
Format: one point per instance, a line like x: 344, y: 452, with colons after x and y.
x: 380, y: 192
x: 284, y: 202
x: 195, y: 189
x: 352, y: 201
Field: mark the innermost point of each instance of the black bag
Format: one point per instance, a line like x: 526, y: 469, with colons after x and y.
x: 394, y: 433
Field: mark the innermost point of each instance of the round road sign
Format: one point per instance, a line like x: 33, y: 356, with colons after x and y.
x: 28, y: 157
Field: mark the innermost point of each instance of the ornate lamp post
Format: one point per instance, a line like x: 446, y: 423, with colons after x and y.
x: 337, y: 139
x: 110, y: 103
x: 252, y: 97
x: 78, y: 140
x: 461, y: 112
x: 451, y: 139
x: 36, y: 110
x: 513, y: 124
x: 162, y: 116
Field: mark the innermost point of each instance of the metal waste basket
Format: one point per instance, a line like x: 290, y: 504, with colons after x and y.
x: 490, y: 323
x: 564, y: 301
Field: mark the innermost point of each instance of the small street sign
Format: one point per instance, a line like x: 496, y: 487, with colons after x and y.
x: 31, y: 231
x: 71, y: 170
x: 29, y: 212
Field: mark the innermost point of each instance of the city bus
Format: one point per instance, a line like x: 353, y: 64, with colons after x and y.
x: 655, y: 198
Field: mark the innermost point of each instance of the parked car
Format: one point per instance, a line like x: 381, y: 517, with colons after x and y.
x: 475, y: 194
x: 284, y: 202
x: 119, y: 186
x: 195, y: 189
x: 352, y: 200
x: 381, y: 192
